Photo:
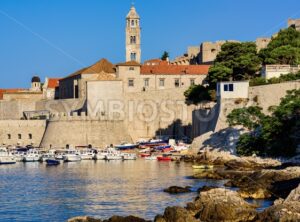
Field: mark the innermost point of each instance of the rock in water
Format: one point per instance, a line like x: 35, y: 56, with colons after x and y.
x: 125, y: 219
x: 223, y: 205
x: 84, y: 219
x: 176, y: 214
x: 176, y: 190
x: 283, y: 211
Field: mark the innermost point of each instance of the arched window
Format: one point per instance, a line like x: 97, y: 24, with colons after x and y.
x: 9, y: 136
x: 19, y: 136
x: 133, y: 56
x: 30, y: 136
x: 132, y: 23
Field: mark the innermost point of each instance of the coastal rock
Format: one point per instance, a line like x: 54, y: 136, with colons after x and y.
x: 206, y: 188
x: 294, y: 195
x: 84, y: 219
x: 176, y: 214
x: 285, y: 212
x: 223, y: 205
x: 125, y: 219
x: 177, y: 190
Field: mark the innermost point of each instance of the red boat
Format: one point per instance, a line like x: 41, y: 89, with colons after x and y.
x: 145, y: 154
x: 164, y: 158
x: 167, y: 150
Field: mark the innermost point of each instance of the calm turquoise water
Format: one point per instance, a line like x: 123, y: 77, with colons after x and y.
x: 35, y: 192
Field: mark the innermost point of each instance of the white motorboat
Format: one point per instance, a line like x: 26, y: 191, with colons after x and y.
x: 32, y: 155
x: 113, y: 154
x: 72, y: 156
x: 87, y: 154
x: 129, y: 156
x: 101, y: 154
x: 6, y: 157
x: 19, y: 155
x: 150, y: 158
x: 49, y: 155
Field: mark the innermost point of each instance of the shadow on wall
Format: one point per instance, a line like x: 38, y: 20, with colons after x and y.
x: 176, y: 130
x: 205, y: 120
x: 225, y: 139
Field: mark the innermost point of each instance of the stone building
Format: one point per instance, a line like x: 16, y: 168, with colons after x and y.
x: 294, y: 23
x: 275, y: 71
x: 74, y: 85
x: 133, y: 36
x: 51, y: 88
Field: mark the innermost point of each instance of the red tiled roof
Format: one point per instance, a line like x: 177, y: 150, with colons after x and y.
x: 53, y: 83
x: 130, y: 63
x: 166, y: 69
x: 2, y: 91
x: 152, y: 61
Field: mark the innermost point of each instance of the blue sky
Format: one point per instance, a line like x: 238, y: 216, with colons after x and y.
x: 56, y: 37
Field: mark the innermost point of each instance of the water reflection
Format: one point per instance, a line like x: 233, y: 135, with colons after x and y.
x: 35, y: 192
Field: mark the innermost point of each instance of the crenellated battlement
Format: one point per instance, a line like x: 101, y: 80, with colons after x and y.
x: 83, y: 116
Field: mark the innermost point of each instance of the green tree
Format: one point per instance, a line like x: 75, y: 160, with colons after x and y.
x: 165, y: 56
x: 283, y: 49
x: 236, y: 61
x: 277, y: 134
x: 197, y: 94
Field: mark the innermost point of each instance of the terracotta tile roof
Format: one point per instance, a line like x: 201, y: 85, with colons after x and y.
x: 153, y: 61
x: 130, y: 63
x: 166, y: 69
x: 2, y: 91
x: 98, y: 67
x: 53, y: 83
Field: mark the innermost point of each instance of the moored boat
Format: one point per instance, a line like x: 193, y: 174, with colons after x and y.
x: 113, y: 154
x: 32, y: 155
x: 164, y: 158
x: 150, y: 158
x: 52, y: 162
x: 87, y: 154
x: 203, y: 167
x: 6, y: 157
x: 126, y: 146
x: 72, y: 156
x: 129, y: 156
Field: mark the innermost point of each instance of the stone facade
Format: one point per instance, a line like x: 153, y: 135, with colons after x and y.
x: 274, y: 71
x: 294, y: 23
x: 133, y: 36
x: 22, y: 132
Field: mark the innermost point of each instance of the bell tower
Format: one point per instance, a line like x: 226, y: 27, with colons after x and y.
x: 133, y: 36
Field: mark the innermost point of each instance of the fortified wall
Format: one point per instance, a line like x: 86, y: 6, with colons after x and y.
x: 210, y: 127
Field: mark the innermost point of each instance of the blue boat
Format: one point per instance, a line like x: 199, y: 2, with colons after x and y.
x: 162, y: 147
x: 126, y: 146
x: 52, y: 162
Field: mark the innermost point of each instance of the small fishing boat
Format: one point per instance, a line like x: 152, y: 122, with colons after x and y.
x: 113, y: 154
x: 72, y: 156
x: 162, y: 147
x: 167, y: 150
x: 52, y: 162
x: 87, y: 154
x: 164, y: 158
x: 126, y: 146
x: 32, y: 155
x: 19, y: 154
x: 203, y: 167
x: 129, y: 156
x: 150, y: 158
x: 6, y: 157
x: 145, y: 154
x: 101, y: 154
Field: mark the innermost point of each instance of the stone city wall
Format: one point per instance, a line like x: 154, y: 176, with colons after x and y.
x: 22, y: 132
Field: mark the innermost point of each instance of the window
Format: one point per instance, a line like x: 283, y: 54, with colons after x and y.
x: 132, y: 39
x: 161, y: 82
x: 133, y: 56
x: 146, y: 82
x: 228, y: 87
x: 8, y: 136
x: 131, y: 68
x: 130, y: 82
x: 132, y: 23
x: 19, y: 136
x: 192, y: 81
x: 177, y: 82
x: 30, y: 136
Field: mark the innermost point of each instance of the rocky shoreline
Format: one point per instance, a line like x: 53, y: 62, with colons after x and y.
x: 252, y: 177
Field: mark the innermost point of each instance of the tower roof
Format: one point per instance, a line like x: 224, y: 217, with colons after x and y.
x: 133, y: 14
